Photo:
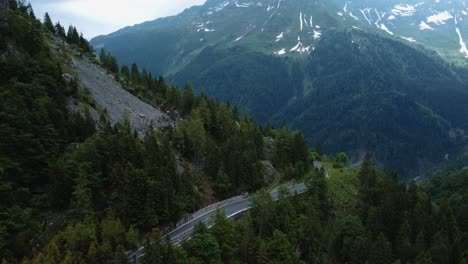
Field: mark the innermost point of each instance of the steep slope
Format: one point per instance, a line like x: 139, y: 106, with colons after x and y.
x: 109, y: 95
x: 356, y: 92
x: 327, y: 67
x: 439, y: 25
x: 279, y: 27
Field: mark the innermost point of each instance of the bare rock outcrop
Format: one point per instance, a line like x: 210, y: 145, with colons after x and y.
x: 111, y: 96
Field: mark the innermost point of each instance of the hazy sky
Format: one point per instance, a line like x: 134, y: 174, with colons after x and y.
x: 97, y: 17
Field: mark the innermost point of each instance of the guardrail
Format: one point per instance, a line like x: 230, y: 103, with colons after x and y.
x: 295, y: 190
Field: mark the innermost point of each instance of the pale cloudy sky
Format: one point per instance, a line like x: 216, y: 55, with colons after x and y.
x: 97, y: 17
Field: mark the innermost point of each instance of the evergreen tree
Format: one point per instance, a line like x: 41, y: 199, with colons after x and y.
x: 48, y: 23
x: 59, y: 30
x: 423, y: 258
x: 404, y: 247
x: 135, y: 74
x: 380, y: 252
x: 223, y: 231
x: 280, y: 249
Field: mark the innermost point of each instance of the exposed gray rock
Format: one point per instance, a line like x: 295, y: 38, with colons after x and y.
x: 110, y: 95
x: 67, y: 77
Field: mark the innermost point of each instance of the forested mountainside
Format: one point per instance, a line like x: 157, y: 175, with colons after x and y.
x: 81, y: 186
x: 78, y: 188
x: 346, y: 84
x: 357, y: 92
x: 379, y: 221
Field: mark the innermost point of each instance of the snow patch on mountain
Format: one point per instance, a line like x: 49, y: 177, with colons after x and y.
x: 221, y: 6
x: 363, y: 12
x: 439, y: 18
x: 405, y: 9
x: 317, y: 34
x: 408, y: 39
x: 279, y: 37
x: 300, y: 19
x: 280, y: 52
x: 353, y: 16
x: 243, y: 4
x: 424, y: 26
x: 300, y: 47
x: 384, y: 27
x: 463, y: 48
x: 202, y: 27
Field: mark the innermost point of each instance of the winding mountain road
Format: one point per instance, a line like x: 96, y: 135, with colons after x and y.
x: 231, y: 207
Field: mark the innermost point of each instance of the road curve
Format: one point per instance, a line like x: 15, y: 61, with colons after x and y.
x: 231, y: 207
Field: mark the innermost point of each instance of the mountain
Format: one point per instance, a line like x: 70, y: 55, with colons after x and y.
x: 280, y: 27
x: 318, y: 66
x: 89, y: 156
x: 439, y: 25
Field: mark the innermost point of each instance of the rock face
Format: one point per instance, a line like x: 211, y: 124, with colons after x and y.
x: 110, y: 95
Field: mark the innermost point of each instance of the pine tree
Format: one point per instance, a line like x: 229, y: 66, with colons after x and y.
x: 135, y: 74
x: 223, y: 231
x: 59, y: 30
x: 52, y: 254
x: 280, y: 249
x: 120, y: 256
x: 82, y: 195
x: 188, y: 99
x: 404, y: 243
x: 93, y: 253
x: 380, y: 252
x: 423, y: 258
x: 48, y: 23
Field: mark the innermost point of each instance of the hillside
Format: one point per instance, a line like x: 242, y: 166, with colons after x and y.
x: 346, y: 84
x: 357, y: 92
x: 83, y: 178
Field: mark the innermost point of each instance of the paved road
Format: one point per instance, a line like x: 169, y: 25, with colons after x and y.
x: 232, y: 208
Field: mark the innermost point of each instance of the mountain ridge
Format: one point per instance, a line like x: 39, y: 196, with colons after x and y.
x: 309, y: 61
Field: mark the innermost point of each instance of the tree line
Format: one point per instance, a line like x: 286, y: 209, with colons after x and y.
x: 390, y: 222
x: 80, y: 190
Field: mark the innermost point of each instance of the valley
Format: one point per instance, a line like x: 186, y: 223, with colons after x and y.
x: 273, y: 131
x: 314, y: 65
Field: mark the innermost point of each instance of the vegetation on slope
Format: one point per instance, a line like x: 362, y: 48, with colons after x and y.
x: 357, y: 92
x: 387, y: 222
x: 79, y: 191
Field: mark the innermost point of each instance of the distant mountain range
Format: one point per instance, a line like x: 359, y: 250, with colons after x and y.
x: 439, y: 25
x: 349, y: 74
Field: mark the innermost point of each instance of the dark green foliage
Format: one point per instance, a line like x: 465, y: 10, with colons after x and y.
x: 55, y: 165
x: 452, y: 186
x: 87, y: 243
x: 35, y: 128
x: 202, y: 247
x: 357, y: 91
x: 350, y: 240
x: 48, y: 23
x: 109, y: 62
x: 60, y: 31
x: 392, y: 223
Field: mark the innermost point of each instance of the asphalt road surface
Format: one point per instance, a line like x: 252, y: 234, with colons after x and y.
x: 232, y: 209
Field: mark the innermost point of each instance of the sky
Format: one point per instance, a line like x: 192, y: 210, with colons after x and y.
x: 100, y: 17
